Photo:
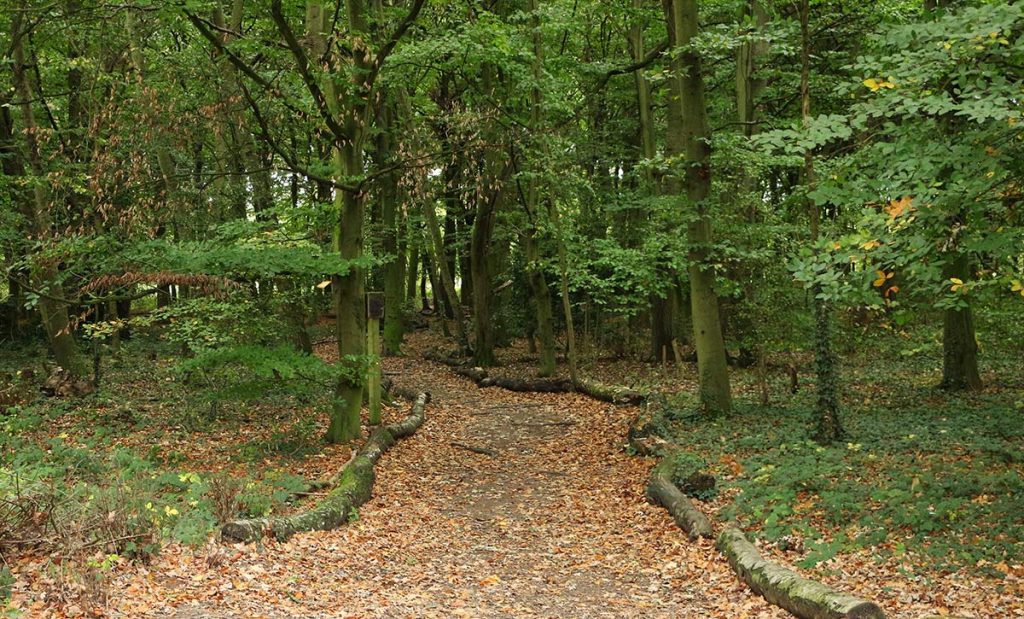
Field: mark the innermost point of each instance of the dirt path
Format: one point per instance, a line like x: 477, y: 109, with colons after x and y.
x: 553, y: 525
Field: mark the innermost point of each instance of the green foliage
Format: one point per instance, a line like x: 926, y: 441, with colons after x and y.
x: 942, y: 482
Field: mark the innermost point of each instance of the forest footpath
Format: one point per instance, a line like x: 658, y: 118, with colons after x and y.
x: 553, y: 524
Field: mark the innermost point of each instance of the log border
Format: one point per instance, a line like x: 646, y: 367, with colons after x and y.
x: 803, y: 597
x: 355, y: 487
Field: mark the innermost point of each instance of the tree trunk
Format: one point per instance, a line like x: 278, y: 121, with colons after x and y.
x: 534, y: 272
x: 959, y: 344
x: 347, y: 241
x: 394, y: 329
x: 830, y: 427
x: 689, y: 134
x: 45, y: 277
x: 483, y: 327
x: 438, y: 253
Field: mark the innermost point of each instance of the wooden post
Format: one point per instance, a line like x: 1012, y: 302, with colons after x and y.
x: 374, y: 313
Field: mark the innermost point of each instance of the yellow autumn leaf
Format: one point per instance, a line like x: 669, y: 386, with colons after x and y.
x: 872, y: 83
x: 899, y: 207
x: 882, y: 278
x: 869, y: 245
x: 958, y: 285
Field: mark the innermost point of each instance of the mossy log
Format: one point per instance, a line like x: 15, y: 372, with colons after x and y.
x: 355, y: 486
x: 597, y: 390
x: 612, y: 394
x: 528, y: 385
x: 786, y: 589
x: 662, y: 491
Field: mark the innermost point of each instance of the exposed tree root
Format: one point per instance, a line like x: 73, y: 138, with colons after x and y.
x: 473, y: 448
x: 354, y: 488
x: 788, y: 590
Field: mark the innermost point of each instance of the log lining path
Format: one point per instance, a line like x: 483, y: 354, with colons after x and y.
x: 554, y: 524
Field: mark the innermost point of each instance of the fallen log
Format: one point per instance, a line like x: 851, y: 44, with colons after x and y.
x: 599, y: 391
x: 662, y: 491
x: 612, y: 394
x: 532, y: 385
x: 788, y: 590
x: 354, y: 488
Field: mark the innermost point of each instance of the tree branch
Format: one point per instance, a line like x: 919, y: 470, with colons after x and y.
x: 302, y: 64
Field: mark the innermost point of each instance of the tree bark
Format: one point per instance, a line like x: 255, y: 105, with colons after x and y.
x: 827, y: 411
x: 662, y: 491
x: 354, y: 488
x: 689, y: 136
x: 534, y: 271
x: 786, y: 589
x: 959, y: 343
x: 45, y: 277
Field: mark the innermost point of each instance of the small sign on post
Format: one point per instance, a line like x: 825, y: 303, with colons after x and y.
x: 374, y: 313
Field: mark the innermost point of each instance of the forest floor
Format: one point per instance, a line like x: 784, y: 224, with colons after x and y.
x: 553, y: 524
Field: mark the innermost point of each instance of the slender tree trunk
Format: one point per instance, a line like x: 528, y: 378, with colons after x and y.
x: 563, y: 267
x: 662, y: 319
x: 165, y: 162
x: 534, y: 272
x: 465, y: 266
x: 689, y: 134
x: 827, y: 407
x: 12, y: 167
x: 394, y: 329
x: 438, y: 253
x: 412, y: 271
x: 749, y: 84
x: 45, y: 277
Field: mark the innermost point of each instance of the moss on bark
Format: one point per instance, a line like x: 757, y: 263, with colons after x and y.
x: 786, y: 589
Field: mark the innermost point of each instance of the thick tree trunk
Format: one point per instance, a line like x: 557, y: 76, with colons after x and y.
x: 689, y: 134
x: 480, y: 259
x: 959, y: 343
x: 662, y: 326
x: 45, y: 277
x: 347, y: 241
